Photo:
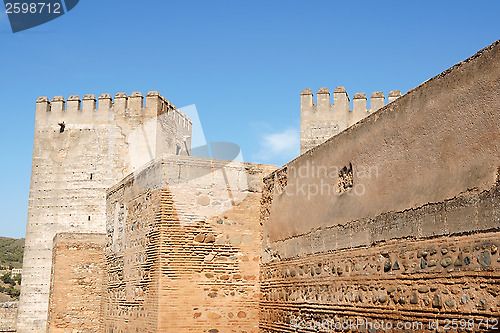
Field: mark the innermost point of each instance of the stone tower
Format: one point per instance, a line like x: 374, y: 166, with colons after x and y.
x: 80, y: 150
x: 323, y: 120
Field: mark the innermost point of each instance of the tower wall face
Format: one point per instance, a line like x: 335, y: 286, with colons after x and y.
x: 79, y: 151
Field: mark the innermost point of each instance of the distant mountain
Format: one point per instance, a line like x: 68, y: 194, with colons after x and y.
x: 11, y: 252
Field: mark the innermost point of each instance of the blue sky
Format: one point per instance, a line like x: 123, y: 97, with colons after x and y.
x: 243, y: 64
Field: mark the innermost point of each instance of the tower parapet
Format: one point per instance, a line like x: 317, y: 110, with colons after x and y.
x: 121, y: 106
x: 323, y: 120
x: 89, y: 103
x: 74, y: 103
x: 105, y: 102
x: 359, y: 110
x: 120, y: 103
x: 58, y: 104
x: 136, y: 101
x: 393, y: 95
x: 42, y: 104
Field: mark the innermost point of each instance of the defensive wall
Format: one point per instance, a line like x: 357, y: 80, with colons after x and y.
x: 396, y: 218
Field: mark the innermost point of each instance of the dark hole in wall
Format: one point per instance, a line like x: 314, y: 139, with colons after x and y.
x: 62, y: 127
x: 346, y: 179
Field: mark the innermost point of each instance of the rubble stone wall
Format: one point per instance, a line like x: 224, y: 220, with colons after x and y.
x: 76, y: 283
x: 403, y: 279
x: 8, y: 316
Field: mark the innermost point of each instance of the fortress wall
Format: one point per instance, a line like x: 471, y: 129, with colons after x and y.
x: 416, y: 183
x: 8, y: 316
x: 435, y: 142
x: 76, y: 283
x: 81, y: 148
x: 183, y: 238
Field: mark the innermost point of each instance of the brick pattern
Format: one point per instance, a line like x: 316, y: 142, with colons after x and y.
x: 427, y: 265
x: 401, y: 281
x: 183, y: 257
x: 76, y: 283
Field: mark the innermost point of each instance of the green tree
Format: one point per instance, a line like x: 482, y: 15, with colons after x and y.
x: 17, y: 278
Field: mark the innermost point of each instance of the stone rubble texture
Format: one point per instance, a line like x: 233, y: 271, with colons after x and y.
x: 8, y: 316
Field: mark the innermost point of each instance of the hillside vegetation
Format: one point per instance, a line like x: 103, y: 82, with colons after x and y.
x: 11, y: 252
x: 11, y: 256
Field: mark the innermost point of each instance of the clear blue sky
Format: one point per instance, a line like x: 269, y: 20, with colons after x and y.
x: 242, y: 63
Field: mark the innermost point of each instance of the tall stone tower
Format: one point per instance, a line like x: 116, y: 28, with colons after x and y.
x: 320, y: 121
x: 80, y: 150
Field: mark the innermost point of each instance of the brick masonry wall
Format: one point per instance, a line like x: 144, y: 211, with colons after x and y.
x: 132, y: 260
x: 8, y: 316
x: 76, y: 283
x: 183, y: 238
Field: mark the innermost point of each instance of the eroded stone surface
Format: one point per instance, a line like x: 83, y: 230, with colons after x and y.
x: 76, y: 283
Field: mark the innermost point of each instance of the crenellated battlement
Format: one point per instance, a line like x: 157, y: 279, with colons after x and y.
x: 133, y: 104
x: 323, y: 98
x: 324, y: 119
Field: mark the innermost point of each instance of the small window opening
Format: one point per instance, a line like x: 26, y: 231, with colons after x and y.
x: 62, y: 127
x: 346, y: 179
